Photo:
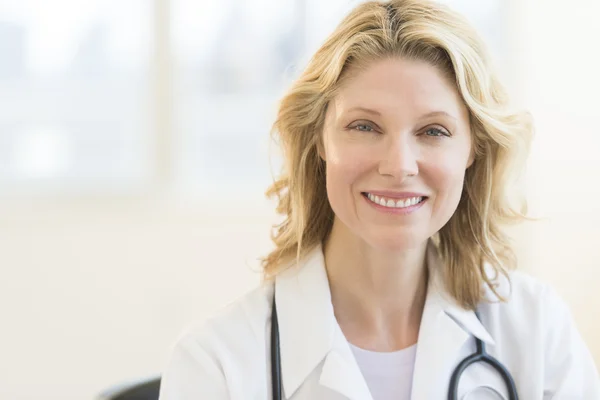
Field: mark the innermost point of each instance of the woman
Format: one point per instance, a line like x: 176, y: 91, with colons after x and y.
x: 391, y: 266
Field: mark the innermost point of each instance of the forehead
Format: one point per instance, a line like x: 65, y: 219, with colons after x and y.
x: 397, y: 84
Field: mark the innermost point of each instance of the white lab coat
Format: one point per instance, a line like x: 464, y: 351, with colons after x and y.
x: 533, y: 335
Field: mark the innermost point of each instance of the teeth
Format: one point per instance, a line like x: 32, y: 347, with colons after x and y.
x: 394, y: 204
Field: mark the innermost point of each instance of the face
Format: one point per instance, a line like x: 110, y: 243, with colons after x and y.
x: 396, y: 143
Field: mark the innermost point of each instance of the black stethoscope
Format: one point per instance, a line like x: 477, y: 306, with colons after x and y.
x: 479, y: 355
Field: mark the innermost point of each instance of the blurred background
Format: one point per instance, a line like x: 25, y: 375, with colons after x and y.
x: 135, y: 151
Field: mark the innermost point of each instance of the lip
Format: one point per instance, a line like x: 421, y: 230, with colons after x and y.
x: 395, y: 195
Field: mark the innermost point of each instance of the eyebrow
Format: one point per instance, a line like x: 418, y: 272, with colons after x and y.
x: 367, y: 110
x: 428, y: 115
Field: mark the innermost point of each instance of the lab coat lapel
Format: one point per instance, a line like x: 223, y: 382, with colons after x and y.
x: 310, y: 335
x: 445, y: 328
x: 341, y: 372
x: 439, y: 343
x: 306, y: 319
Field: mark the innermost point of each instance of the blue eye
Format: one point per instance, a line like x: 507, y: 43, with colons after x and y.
x: 436, y: 132
x: 363, y: 128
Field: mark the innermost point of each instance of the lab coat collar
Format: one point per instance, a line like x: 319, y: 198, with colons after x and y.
x: 445, y: 328
x: 439, y: 299
x: 305, y: 317
x: 309, y: 333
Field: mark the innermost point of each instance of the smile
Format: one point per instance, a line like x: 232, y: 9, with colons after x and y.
x: 394, y: 203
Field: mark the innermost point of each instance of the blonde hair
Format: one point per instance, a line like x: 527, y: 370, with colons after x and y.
x: 415, y: 30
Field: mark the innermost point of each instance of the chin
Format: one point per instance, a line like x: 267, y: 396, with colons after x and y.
x: 396, y: 243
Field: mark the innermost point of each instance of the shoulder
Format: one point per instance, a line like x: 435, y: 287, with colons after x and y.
x: 520, y: 295
x: 237, y: 324
x: 536, y: 324
x: 222, y: 354
x: 535, y: 318
x: 515, y: 287
x: 528, y: 313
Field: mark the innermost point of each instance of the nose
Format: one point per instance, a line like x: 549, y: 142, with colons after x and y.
x: 399, y: 159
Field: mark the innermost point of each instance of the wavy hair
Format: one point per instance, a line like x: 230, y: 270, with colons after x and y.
x: 425, y: 31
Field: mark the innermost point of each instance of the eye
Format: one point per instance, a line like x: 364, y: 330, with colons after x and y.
x: 436, y: 132
x: 363, y: 127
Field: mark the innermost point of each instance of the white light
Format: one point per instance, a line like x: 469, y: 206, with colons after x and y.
x: 41, y: 152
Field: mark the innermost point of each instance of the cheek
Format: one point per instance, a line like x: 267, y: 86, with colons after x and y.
x: 346, y: 168
x: 346, y: 164
x: 344, y: 173
x: 447, y: 180
x: 340, y: 180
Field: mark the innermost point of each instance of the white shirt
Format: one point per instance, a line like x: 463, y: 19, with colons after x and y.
x: 532, y: 335
x: 388, y: 375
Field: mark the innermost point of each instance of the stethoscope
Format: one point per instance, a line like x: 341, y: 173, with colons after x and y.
x: 480, y: 355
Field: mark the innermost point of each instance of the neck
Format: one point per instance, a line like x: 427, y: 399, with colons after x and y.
x: 378, y: 296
